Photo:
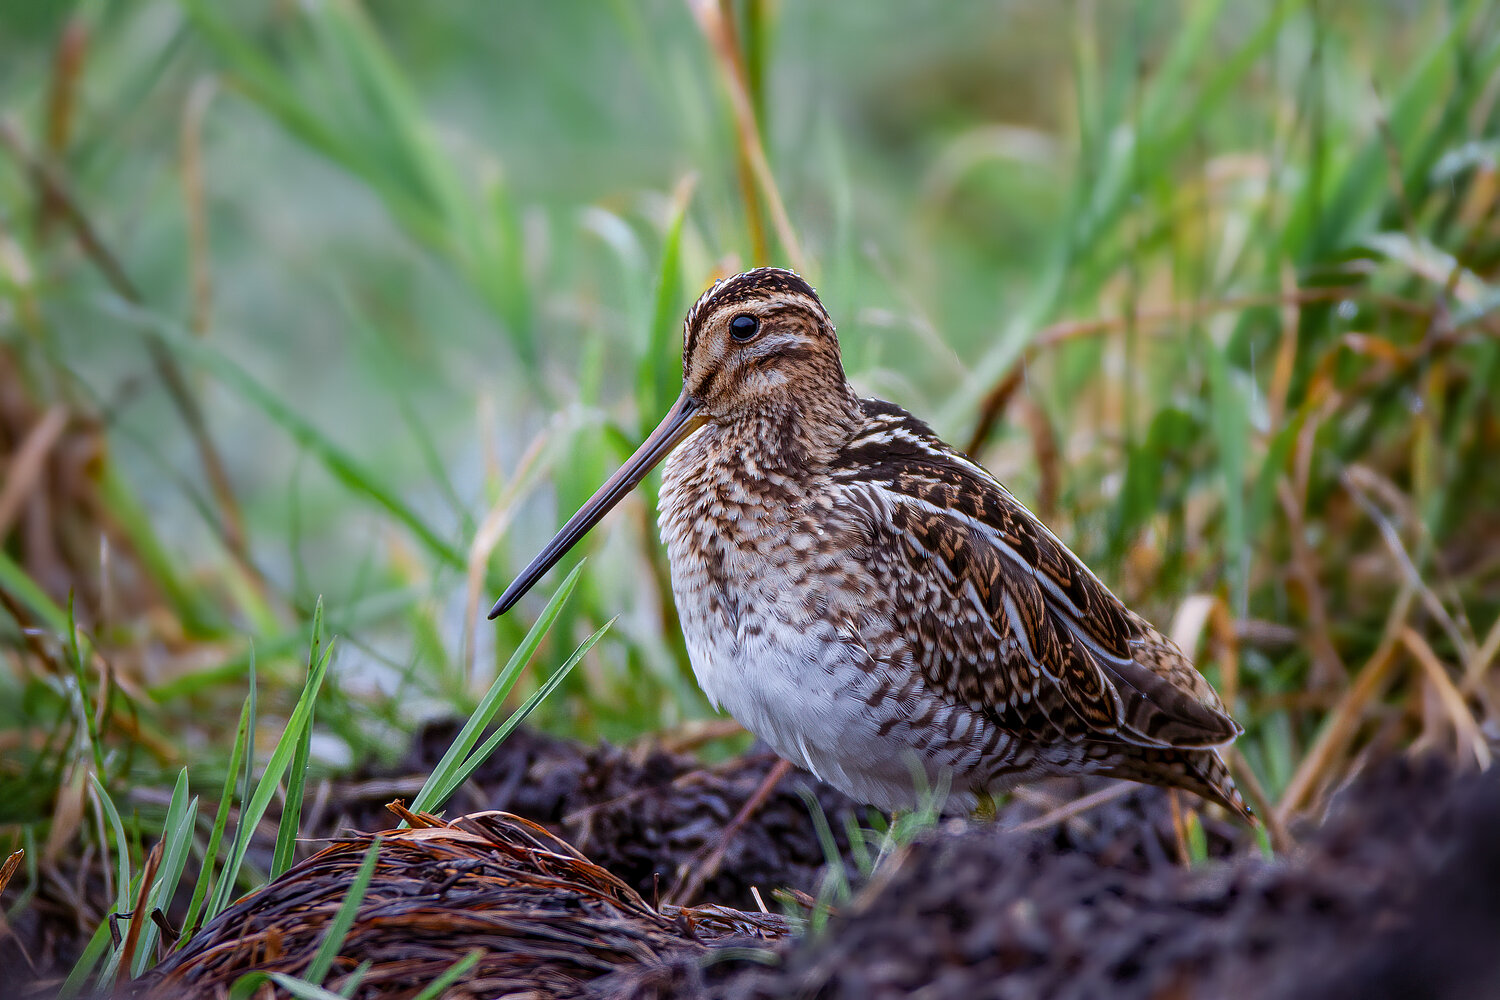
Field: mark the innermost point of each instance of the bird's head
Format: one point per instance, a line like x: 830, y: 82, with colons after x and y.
x: 758, y: 347
x: 759, y: 342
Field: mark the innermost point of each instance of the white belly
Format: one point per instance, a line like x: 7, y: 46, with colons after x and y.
x: 781, y: 686
x: 810, y: 692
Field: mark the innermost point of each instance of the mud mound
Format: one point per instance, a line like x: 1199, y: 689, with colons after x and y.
x: 1382, y: 901
x: 642, y: 814
x: 1059, y: 897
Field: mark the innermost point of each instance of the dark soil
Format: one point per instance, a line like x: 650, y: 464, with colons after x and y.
x: 1398, y: 894
x: 640, y: 813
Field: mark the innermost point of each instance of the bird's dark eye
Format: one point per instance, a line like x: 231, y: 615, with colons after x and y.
x: 743, y: 327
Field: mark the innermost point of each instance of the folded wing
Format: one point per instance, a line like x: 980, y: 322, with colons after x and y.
x: 1029, y: 631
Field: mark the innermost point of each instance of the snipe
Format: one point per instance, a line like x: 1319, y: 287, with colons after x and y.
x: 874, y: 605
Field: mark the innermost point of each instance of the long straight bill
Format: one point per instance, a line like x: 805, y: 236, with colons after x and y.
x: 681, y: 420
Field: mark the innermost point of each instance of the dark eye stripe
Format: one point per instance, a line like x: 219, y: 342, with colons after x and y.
x: 777, y: 359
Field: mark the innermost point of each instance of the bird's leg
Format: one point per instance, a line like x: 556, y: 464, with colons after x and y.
x: 1179, y: 829
x: 703, y: 865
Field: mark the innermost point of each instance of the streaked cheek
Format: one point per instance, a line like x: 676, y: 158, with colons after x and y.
x: 768, y: 380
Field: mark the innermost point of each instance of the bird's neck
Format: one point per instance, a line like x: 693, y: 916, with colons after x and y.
x: 796, y: 431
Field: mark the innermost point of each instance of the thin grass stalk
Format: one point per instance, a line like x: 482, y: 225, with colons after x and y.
x: 712, y: 23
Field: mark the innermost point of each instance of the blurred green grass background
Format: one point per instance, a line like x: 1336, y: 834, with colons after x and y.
x: 1212, y: 286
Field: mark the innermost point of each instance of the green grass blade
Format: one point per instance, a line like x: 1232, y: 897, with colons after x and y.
x: 832, y: 859
x: 1326, y: 222
x: 287, y: 829
x: 121, y: 844
x: 187, y: 601
x: 833, y: 888
x: 301, y: 988
x: 1197, y: 838
x: 17, y: 582
x: 660, y: 372
x: 441, y: 777
x: 338, y: 927
x: 78, y: 660
x: 79, y: 975
x: 291, y: 816
x: 859, y: 848
x: 265, y: 789
x: 177, y: 837
x: 263, y: 82
x: 249, y: 985
x: 352, y: 981
x: 123, y: 894
x: 221, y: 820
x: 100, y: 944
x: 1229, y: 419
x: 500, y: 271
x: 461, y: 773
x: 224, y: 888
x: 451, y: 975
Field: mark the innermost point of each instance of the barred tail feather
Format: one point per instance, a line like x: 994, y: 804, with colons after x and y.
x: 1202, y: 772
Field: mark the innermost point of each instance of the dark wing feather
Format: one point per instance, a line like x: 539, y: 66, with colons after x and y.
x: 1051, y: 639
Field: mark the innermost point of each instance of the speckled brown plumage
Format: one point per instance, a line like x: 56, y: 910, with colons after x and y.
x: 873, y: 604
